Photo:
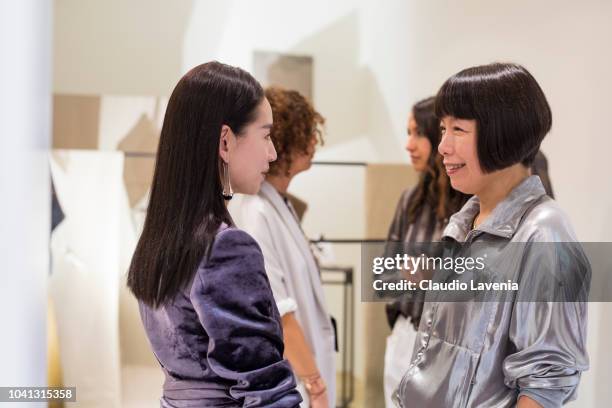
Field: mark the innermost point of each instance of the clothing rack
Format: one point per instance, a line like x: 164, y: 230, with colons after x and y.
x: 347, y: 241
x: 348, y: 320
x: 315, y: 163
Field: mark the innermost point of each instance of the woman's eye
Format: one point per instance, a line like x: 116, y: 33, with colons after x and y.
x: 269, y: 136
x: 442, y: 130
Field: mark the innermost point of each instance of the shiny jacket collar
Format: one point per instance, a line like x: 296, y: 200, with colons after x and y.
x: 504, y: 219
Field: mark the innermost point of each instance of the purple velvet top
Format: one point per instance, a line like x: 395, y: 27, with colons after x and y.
x: 220, y: 341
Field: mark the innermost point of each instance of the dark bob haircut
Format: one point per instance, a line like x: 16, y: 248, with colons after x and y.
x: 511, y: 112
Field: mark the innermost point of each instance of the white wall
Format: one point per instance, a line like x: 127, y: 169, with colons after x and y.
x: 25, y: 102
x: 372, y: 61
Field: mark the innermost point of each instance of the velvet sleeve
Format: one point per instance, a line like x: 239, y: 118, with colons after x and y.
x: 232, y: 297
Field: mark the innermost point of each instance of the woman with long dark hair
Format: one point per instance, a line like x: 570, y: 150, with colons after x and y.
x: 204, y: 297
x: 421, y: 215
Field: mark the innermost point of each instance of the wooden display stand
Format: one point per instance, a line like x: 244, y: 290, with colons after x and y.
x: 384, y: 184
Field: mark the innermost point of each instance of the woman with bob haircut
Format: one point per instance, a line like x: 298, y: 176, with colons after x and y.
x: 292, y: 269
x: 204, y: 297
x: 514, y: 348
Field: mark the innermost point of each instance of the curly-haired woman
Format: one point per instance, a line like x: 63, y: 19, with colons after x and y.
x: 292, y: 269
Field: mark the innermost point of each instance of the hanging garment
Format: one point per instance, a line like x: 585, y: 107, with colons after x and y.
x: 90, y: 251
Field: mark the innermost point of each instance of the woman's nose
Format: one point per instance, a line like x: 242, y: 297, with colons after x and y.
x: 445, y: 147
x: 410, y: 144
x: 272, y: 153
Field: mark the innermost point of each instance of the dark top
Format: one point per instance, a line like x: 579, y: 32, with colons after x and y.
x: 405, y: 234
x: 220, y: 341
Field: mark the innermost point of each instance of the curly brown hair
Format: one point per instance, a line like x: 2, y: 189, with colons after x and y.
x: 295, y: 123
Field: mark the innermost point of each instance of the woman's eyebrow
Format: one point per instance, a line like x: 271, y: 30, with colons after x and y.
x: 268, y: 126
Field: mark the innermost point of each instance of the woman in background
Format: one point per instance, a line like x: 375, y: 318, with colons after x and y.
x: 292, y: 269
x: 421, y: 215
x: 204, y: 298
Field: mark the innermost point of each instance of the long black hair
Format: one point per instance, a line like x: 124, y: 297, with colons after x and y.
x: 433, y: 188
x: 186, y: 206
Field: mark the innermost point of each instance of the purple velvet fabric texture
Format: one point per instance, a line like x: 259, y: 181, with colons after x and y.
x: 220, y: 341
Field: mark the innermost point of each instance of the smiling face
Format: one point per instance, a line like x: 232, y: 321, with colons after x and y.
x: 249, y: 154
x: 458, y: 147
x: 418, y: 146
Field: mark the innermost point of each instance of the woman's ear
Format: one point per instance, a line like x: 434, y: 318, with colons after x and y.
x: 224, y: 143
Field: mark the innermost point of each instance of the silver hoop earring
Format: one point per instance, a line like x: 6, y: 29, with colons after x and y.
x: 225, y: 181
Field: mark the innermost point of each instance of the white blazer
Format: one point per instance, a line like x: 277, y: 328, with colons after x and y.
x: 293, y: 274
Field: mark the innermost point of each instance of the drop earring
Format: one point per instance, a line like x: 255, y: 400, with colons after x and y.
x: 225, y: 181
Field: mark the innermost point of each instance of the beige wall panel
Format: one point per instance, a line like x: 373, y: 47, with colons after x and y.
x: 384, y: 184
x: 76, y: 120
x: 138, y: 176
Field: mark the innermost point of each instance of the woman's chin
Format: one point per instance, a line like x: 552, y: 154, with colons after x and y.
x: 255, y: 187
x: 459, y: 186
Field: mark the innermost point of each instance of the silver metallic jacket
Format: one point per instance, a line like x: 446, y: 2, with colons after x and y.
x: 487, y: 354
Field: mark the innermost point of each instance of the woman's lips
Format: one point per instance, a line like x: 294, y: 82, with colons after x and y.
x: 453, y: 168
